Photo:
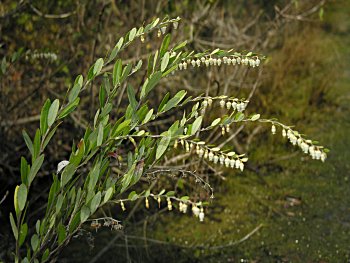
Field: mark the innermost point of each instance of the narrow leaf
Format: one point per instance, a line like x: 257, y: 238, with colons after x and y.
x: 53, y: 112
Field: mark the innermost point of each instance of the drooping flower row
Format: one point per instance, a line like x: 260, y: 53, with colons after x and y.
x: 218, y: 61
x: 183, y: 204
x: 307, y: 146
x: 215, y: 155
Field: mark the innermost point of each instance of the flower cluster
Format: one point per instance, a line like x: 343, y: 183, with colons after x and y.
x: 50, y: 56
x: 184, y: 203
x: 225, y: 102
x: 316, y: 152
x: 229, y: 160
x: 210, y: 61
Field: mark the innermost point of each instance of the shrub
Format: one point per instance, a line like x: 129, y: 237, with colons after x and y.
x: 76, y: 193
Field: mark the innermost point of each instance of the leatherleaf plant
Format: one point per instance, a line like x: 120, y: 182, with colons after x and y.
x: 86, y: 181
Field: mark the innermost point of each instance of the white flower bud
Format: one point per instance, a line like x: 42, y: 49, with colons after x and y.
x: 234, y: 61
x: 228, y: 105
x: 170, y: 206
x: 223, y: 130
x: 238, y: 163
x: 207, y: 62
x: 257, y: 62
x: 193, y: 62
x: 198, y: 62
x: 205, y: 103
x: 232, y: 163
x: 210, y: 102
x: 234, y: 105
x: 175, y: 25
x: 219, y: 61
x: 211, y: 61
x: 216, y: 159
x: 201, y: 215
x: 273, y: 129
x: 201, y: 152
x: 227, y: 162
x: 222, y: 103
x: 180, y: 66
x: 229, y: 60
x: 241, y: 166
x: 211, y: 156
x: 225, y: 60
x: 323, y: 157
x: 238, y: 60
x: 163, y: 29
x: 284, y: 133
x: 184, y: 65
x: 202, y: 59
x: 195, y: 210
x: 184, y: 208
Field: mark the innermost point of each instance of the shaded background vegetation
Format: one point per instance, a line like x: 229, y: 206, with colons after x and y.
x: 299, y: 208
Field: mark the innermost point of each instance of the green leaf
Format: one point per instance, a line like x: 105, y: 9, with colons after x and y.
x: 150, y: 83
x: 69, y: 108
x: 36, y: 143
x: 133, y: 196
x: 45, y: 255
x: 59, y: 202
x: 131, y: 96
x: 22, y: 196
x: 15, y: 201
x: 13, y: 226
x: 102, y: 96
x: 84, y: 213
x: 163, y: 146
x: 53, y: 112
x: 61, y: 233
x: 170, y: 193
x: 68, y: 173
x: 255, y: 117
x: 173, y: 102
x: 185, y: 198
x: 165, y: 45
x: 49, y: 136
x: 23, y: 234
x: 132, y: 34
x: 108, y: 195
x: 165, y: 62
x: 116, y: 49
x: 196, y: 125
x: 35, y: 168
x: 43, y: 117
x: 95, y: 202
x: 117, y: 72
x: 100, y: 135
x: 34, y: 242
x: 181, y: 45
x: 98, y: 66
x: 28, y: 142
x: 215, y: 122
x: 126, y: 72
x: 163, y: 102
x: 148, y: 116
x: 24, y: 170
x: 93, y: 176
